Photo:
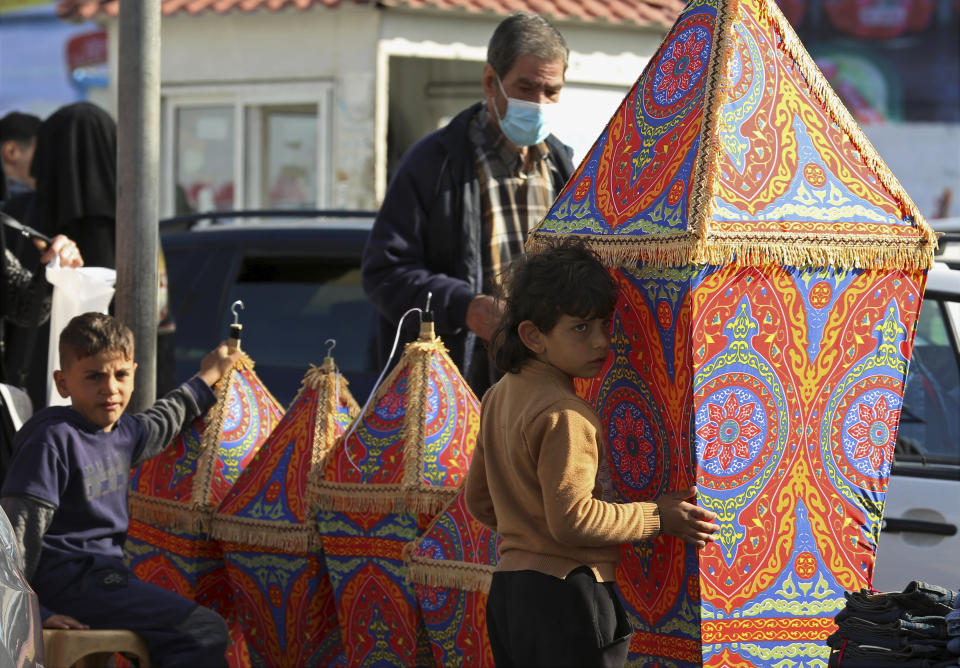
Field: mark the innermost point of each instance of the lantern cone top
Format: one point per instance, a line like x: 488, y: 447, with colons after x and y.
x: 731, y: 148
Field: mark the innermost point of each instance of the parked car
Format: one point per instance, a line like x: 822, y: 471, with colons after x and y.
x: 949, y: 250
x: 298, y: 276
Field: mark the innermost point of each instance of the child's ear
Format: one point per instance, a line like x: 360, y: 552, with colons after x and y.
x: 531, y: 336
x: 60, y: 381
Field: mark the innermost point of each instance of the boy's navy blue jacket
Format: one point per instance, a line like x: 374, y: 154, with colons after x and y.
x: 66, y: 490
x: 426, y: 236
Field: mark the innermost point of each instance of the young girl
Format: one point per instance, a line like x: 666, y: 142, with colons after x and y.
x: 533, y: 478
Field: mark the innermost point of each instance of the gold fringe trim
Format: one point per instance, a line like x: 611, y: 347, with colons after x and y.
x: 415, y: 415
x: 352, y: 497
x: 451, y: 574
x: 703, y: 174
x: 298, y: 538
x: 332, y: 391
x: 327, y: 375
x: 677, y: 250
x: 168, y: 514
x: 428, y: 500
x: 210, y: 439
x: 761, y: 251
x: 795, y: 250
x: 371, y: 498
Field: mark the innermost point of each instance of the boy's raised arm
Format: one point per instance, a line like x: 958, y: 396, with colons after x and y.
x: 169, y: 415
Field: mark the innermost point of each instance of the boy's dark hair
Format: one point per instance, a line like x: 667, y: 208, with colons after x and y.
x: 567, y: 278
x: 91, y: 334
x: 19, y: 127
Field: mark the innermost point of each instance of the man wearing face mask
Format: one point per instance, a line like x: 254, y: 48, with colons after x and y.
x: 463, y: 198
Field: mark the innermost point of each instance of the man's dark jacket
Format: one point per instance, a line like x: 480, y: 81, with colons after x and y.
x: 426, y: 237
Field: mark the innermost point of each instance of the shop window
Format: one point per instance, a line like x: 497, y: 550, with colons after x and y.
x: 246, y: 147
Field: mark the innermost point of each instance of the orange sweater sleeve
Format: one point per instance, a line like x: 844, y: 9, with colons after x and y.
x: 567, y: 463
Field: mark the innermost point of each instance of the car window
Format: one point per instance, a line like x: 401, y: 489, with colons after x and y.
x: 929, y: 430
x: 293, y: 305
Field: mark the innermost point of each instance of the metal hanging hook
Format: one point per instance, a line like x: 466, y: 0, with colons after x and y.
x: 236, y: 328
x: 233, y: 309
x: 331, y: 344
x: 426, y: 320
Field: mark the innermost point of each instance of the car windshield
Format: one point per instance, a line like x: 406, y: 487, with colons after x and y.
x: 294, y: 305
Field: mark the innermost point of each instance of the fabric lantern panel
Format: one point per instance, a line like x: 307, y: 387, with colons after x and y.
x: 397, y: 467
x: 182, y: 486
x: 451, y: 566
x: 268, y: 534
x: 174, y: 494
x: 771, y: 272
x: 791, y: 449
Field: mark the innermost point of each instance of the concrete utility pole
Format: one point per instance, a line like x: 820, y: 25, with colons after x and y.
x: 138, y: 171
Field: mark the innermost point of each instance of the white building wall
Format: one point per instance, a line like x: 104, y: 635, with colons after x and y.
x: 350, y: 46
x: 293, y: 48
x: 604, y: 63
x: 925, y: 158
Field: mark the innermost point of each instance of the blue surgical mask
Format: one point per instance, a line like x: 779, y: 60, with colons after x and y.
x: 525, y: 123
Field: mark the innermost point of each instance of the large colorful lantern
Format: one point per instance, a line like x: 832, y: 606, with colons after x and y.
x: 451, y: 566
x: 182, y: 487
x: 771, y: 270
x: 269, y: 538
x: 174, y: 495
x: 396, y: 468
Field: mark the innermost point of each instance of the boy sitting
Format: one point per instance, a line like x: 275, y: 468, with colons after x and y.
x: 66, y: 495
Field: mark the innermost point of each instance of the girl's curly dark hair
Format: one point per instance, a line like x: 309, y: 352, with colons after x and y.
x: 567, y: 278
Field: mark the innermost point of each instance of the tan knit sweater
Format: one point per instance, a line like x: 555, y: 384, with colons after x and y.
x: 533, y: 479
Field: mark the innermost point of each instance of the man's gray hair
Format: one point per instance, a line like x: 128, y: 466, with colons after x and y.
x: 524, y: 34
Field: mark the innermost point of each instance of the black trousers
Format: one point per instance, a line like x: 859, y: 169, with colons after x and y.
x: 535, y: 619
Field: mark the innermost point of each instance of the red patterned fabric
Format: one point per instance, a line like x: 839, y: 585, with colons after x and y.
x: 191, y: 477
x: 269, y: 539
x: 451, y: 566
x: 174, y: 495
x: 398, y: 466
x: 191, y: 565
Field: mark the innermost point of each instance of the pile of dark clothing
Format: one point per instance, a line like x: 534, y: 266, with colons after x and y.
x: 918, y: 627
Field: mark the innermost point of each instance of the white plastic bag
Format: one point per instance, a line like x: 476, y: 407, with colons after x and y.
x: 75, y: 291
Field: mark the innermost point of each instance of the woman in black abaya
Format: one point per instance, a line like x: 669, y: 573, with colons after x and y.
x: 75, y: 165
